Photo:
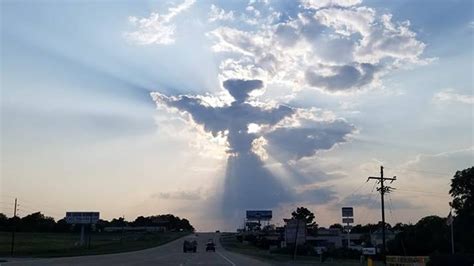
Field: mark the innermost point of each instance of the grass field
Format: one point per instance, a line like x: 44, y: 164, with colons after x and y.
x: 66, y: 244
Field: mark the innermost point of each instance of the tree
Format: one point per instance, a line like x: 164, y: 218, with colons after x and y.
x: 304, y: 214
x: 338, y: 226
x: 36, y: 222
x: 307, y: 216
x: 462, y: 191
x: 429, y: 235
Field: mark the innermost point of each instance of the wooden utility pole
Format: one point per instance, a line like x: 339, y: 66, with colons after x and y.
x: 383, y: 189
x: 14, y: 229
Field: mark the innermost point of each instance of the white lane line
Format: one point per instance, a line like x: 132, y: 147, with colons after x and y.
x: 228, y: 260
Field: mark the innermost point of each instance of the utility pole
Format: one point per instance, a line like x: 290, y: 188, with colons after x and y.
x: 123, y: 228
x: 14, y: 229
x: 383, y: 189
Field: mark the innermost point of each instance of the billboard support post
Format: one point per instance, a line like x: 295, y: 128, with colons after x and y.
x: 348, y: 218
x: 82, y: 235
x: 83, y: 218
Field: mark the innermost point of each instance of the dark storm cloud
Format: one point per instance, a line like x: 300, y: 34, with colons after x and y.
x: 240, y: 89
x: 344, y: 77
x: 295, y: 143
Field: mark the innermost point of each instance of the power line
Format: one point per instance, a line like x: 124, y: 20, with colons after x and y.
x: 351, y: 194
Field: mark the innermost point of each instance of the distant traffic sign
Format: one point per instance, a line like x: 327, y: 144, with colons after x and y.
x: 347, y: 212
x: 82, y: 217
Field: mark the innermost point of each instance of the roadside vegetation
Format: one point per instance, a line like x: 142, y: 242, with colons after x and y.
x: 32, y: 244
x: 37, y: 235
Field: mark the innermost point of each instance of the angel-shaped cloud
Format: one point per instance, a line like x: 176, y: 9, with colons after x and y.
x: 285, y: 133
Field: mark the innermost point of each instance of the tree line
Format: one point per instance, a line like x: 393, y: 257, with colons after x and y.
x: 38, y: 222
x: 431, y: 234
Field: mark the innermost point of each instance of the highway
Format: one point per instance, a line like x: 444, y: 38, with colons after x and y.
x: 168, y: 254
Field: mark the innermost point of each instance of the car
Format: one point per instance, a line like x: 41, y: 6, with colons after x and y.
x: 217, y: 231
x: 189, y: 245
x: 210, y: 246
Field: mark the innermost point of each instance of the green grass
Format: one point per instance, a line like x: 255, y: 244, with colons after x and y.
x: 230, y: 243
x: 65, y: 244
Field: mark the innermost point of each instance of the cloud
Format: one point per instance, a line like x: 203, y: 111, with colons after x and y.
x: 295, y: 143
x: 156, y: 29
x: 179, y: 195
x: 334, y: 46
x: 317, y: 4
x: 441, y: 165
x: 316, y: 195
x: 342, y: 77
x: 240, y: 89
x: 251, y: 128
x: 219, y: 14
x: 371, y: 201
x: 450, y: 96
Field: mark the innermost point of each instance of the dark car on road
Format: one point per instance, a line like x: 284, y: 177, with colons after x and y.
x: 210, y: 246
x: 189, y: 245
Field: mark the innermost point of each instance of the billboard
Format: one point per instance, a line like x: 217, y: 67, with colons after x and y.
x: 82, y: 217
x: 295, y: 231
x: 259, y: 215
x: 347, y: 212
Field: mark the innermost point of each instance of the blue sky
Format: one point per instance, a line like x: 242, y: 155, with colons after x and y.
x: 98, y: 105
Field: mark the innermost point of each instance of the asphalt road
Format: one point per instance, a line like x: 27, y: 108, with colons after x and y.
x: 168, y: 254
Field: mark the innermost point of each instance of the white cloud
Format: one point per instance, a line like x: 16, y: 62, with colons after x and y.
x: 156, y: 29
x: 444, y: 162
x: 347, y: 21
x: 450, y: 96
x: 471, y: 25
x: 219, y: 14
x: 317, y: 4
x: 180, y: 195
x: 333, y: 46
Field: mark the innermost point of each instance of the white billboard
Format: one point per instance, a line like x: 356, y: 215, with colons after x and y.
x: 82, y: 217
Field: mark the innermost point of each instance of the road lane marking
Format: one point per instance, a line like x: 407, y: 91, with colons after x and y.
x: 228, y: 260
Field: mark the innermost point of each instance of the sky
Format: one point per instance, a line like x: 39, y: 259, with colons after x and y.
x: 205, y: 109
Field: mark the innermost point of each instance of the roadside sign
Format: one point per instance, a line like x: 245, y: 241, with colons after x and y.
x: 407, y: 260
x: 347, y: 220
x: 259, y: 215
x: 347, y: 212
x: 368, y: 251
x: 82, y: 217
